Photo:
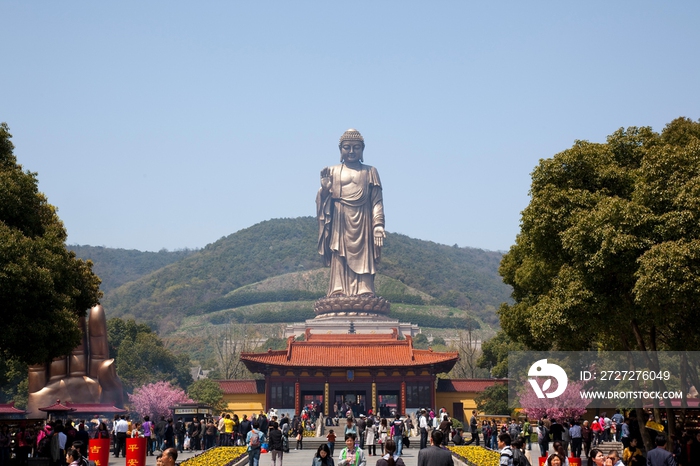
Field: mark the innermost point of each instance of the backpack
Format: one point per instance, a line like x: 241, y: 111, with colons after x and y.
x: 513, y: 432
x: 508, y: 453
x: 44, y: 447
x: 519, y: 459
x: 254, y: 439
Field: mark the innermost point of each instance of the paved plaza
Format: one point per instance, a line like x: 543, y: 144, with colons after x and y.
x: 303, y: 457
x: 293, y: 458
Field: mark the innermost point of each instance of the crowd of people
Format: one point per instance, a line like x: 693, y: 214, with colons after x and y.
x: 63, y: 443
x: 573, y: 438
x: 364, y: 436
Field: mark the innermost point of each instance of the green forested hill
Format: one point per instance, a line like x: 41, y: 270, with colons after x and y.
x: 304, y: 285
x: 250, y: 255
x: 290, y: 298
x: 465, y: 278
x: 460, y: 277
x: 118, y: 266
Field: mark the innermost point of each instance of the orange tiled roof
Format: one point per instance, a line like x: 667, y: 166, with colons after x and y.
x: 346, y: 350
x: 245, y: 387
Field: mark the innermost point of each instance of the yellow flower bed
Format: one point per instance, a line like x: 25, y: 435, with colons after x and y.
x: 309, y: 433
x: 219, y: 456
x: 479, y: 456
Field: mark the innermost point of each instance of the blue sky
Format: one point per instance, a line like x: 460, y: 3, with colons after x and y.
x: 171, y: 124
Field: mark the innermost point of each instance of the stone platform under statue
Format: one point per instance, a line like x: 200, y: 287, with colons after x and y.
x: 352, y: 314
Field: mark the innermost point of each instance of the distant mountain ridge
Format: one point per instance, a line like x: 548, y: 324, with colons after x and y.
x: 119, y: 266
x: 465, y: 278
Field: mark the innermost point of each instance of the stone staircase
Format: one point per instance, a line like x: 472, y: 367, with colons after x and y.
x: 312, y: 443
x: 607, y: 447
x: 315, y: 442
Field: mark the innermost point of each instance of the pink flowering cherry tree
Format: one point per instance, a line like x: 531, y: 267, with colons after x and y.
x: 156, y: 399
x: 568, y: 405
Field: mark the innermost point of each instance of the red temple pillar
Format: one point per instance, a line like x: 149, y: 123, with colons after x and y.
x: 374, y: 398
x: 403, y: 397
x: 268, y: 395
x: 433, y: 389
x: 297, y: 397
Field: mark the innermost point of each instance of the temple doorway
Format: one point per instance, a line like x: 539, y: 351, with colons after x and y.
x: 388, y: 403
x: 352, y: 400
x: 312, y: 399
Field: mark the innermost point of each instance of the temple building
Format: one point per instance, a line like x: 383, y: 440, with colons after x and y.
x: 367, y: 371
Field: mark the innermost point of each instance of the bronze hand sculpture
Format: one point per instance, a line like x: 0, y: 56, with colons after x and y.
x: 86, y: 376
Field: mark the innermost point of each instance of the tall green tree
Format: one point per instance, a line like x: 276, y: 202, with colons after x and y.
x: 141, y: 357
x: 207, y: 391
x: 44, y: 288
x: 494, y: 400
x: 608, y: 255
x: 609, y: 244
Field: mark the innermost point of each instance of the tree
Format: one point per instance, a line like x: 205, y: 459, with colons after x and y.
x: 467, y: 345
x: 156, y: 399
x: 494, y: 400
x: 119, y: 329
x: 609, y: 245
x: 275, y: 343
x: 608, y: 254
x: 13, y: 382
x: 44, y: 288
x: 420, y: 341
x: 568, y: 405
x: 494, y: 354
x: 147, y: 360
x: 230, y: 342
x: 141, y: 356
x: 209, y: 392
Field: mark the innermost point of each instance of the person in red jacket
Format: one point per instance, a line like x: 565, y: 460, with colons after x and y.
x: 597, y: 431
